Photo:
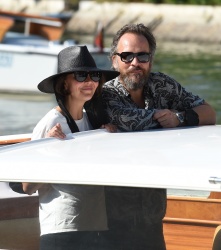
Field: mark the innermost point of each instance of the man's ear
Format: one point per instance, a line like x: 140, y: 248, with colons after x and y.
x: 151, y: 64
x: 114, y: 62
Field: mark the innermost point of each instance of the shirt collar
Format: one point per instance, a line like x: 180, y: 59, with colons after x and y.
x: 118, y: 85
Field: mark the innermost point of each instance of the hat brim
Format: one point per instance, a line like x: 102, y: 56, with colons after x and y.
x: 47, y: 85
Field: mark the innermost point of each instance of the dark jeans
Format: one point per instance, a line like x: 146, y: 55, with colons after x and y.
x: 137, y: 238
x: 71, y: 240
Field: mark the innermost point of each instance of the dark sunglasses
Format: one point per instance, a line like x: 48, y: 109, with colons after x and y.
x: 127, y: 57
x: 81, y: 76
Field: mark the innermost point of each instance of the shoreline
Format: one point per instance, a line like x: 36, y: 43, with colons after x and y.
x: 164, y: 46
x: 191, y: 28
x: 168, y: 22
x: 182, y: 48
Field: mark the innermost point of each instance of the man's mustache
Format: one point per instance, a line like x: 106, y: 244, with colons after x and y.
x: 134, y: 69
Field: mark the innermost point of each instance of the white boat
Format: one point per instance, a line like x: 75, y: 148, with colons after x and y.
x: 191, y: 154
x: 27, y: 58
x: 181, y: 158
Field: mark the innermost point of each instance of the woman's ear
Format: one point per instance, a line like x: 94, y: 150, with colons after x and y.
x: 65, y: 85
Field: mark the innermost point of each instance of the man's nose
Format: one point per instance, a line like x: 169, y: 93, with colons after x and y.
x: 135, y: 61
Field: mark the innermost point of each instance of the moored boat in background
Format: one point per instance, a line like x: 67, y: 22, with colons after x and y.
x: 29, y: 56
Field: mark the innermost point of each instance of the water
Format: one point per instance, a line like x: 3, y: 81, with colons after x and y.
x: 198, y: 72
x: 20, y: 113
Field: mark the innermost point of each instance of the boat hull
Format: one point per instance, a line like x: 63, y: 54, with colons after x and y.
x: 181, y: 158
x: 188, y: 223
x: 102, y: 158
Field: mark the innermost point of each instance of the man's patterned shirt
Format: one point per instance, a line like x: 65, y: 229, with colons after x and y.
x: 160, y: 92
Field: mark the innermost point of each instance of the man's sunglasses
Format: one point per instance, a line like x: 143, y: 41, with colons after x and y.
x: 127, y: 57
x: 81, y: 76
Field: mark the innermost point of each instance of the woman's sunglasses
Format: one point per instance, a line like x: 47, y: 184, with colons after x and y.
x: 127, y: 57
x: 81, y: 76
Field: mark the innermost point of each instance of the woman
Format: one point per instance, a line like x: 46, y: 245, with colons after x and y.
x: 71, y: 216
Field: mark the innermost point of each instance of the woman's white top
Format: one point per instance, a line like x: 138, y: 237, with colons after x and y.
x: 52, y: 118
x: 65, y: 207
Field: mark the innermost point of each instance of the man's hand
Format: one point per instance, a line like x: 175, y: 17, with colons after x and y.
x: 110, y: 127
x: 166, y: 118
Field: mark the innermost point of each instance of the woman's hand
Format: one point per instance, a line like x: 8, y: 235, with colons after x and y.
x: 30, y: 188
x: 110, y: 127
x: 56, y: 132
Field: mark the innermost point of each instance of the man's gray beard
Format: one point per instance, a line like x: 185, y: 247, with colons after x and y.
x: 134, y: 84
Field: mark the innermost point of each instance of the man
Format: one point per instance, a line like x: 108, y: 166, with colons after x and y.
x: 139, y: 100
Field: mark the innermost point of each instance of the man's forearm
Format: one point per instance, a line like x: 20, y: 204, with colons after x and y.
x: 207, y: 115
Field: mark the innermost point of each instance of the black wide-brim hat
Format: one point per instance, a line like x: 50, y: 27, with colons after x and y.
x: 71, y: 59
